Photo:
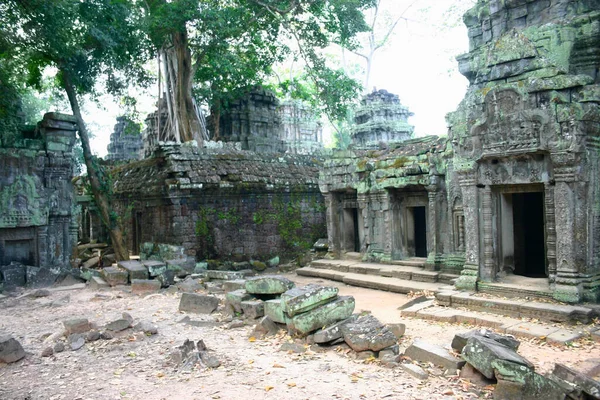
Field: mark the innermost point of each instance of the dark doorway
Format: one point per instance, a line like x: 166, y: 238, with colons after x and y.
x: 528, y: 223
x: 356, y: 235
x: 420, y: 231
x: 20, y: 251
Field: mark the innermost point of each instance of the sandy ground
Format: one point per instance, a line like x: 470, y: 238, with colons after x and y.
x: 135, y: 366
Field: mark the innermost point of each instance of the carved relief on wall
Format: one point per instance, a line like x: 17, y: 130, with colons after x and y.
x: 507, y: 126
x: 20, y: 204
x: 526, y: 168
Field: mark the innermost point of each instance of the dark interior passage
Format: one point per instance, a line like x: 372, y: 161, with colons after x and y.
x: 528, y: 222
x: 355, y: 226
x: 420, y: 231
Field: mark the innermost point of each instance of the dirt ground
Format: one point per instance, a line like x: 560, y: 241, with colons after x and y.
x: 135, y: 366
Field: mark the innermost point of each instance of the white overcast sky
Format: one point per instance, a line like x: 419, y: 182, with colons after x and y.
x: 418, y: 65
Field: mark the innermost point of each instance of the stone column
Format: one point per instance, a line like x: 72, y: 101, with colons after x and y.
x: 365, y: 223
x: 470, y: 272
x: 387, y: 218
x: 42, y: 246
x: 435, y: 257
x: 568, y: 286
x: 332, y: 221
x: 550, y: 231
x: 487, y: 273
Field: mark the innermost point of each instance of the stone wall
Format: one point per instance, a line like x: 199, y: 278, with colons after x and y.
x: 380, y: 118
x: 125, y: 141
x: 302, y: 131
x: 37, y: 224
x: 222, y: 203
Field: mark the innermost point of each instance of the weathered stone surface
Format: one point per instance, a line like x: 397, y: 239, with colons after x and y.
x: 47, y: 352
x: 59, y: 347
x: 209, y: 360
x: 337, y: 310
x: 182, y: 267
x: 332, y: 332
x: 155, y: 267
x: 234, y: 299
x: 197, y: 303
x: 397, y: 329
x: 10, y: 349
x: 367, y: 333
x: 166, y: 278
x: 481, y: 352
x: 134, y: 268
x: 516, y: 381
x: 76, y: 341
x: 274, y: 310
x: 258, y: 265
x: 92, y: 336
x: 228, y: 275
x: 426, y: 352
x: 473, y: 376
x: 118, y: 325
x: 115, y: 276
x: 147, y: 327
x: 97, y: 283
x: 415, y: 371
x: 145, y: 286
x: 268, y: 284
x: 299, y: 300
x: 253, y: 309
x: 390, y: 354
x: 293, y: 348
x: 265, y: 327
x: 76, y: 325
x: 460, y: 339
x: 235, y: 284
x: 588, y: 385
x: 190, y: 285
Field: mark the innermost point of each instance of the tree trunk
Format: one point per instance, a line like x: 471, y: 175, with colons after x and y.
x: 100, y: 195
x: 189, y: 122
x: 215, y: 113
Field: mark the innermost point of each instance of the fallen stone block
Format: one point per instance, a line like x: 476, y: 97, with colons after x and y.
x: 258, y: 265
x: 426, y: 352
x: 253, y: 309
x: 134, y: 268
x: 93, y: 262
x: 516, y: 381
x: 97, y: 283
x: 190, y: 285
x: 76, y: 341
x: 58, y: 347
x: 274, y: 310
x: 182, y: 267
x: 235, y: 284
x: 460, y: 339
x: 166, y: 278
x: 265, y: 327
x: 332, y: 332
x: 147, y: 327
x: 475, y: 377
x: 337, y: 310
x: 228, y: 275
x: 234, y: 299
x: 415, y: 371
x: 209, y: 360
x: 155, y: 268
x: 76, y: 325
x: 115, y: 276
x: 268, y: 284
x: 293, y: 348
x: 299, y: 300
x: 10, y: 349
x: 273, y: 262
x: 589, y: 386
x: 118, y: 325
x: 390, y: 354
x: 145, y: 286
x: 367, y: 333
x: 412, y: 302
x: 397, y: 329
x: 481, y: 352
x: 14, y: 275
x: 92, y: 336
x: 197, y: 303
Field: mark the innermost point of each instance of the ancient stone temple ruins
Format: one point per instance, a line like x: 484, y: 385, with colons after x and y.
x: 125, y: 142
x: 514, y: 191
x: 38, y: 227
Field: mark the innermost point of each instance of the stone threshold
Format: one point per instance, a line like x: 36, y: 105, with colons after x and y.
x: 502, y: 324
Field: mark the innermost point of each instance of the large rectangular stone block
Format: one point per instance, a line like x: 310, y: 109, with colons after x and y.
x: 197, y: 303
x: 299, y: 300
x: 274, y: 310
x: 337, y: 310
x: 427, y: 352
x: 134, y: 268
x: 115, y: 276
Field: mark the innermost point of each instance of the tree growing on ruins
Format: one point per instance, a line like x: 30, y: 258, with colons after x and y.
x: 216, y: 49
x: 84, y: 41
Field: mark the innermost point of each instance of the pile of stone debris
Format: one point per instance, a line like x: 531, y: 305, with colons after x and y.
x: 74, y: 335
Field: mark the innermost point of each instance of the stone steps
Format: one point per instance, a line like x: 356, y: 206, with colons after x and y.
x: 378, y: 282
x: 410, y: 262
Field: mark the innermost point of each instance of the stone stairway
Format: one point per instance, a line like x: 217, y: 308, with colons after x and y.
x: 408, y: 276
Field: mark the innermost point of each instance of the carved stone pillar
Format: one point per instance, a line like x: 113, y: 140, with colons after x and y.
x: 470, y: 273
x: 435, y: 257
x: 550, y: 232
x: 568, y: 286
x: 387, y: 218
x: 365, y: 223
x: 487, y: 273
x: 42, y: 246
x: 332, y: 221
